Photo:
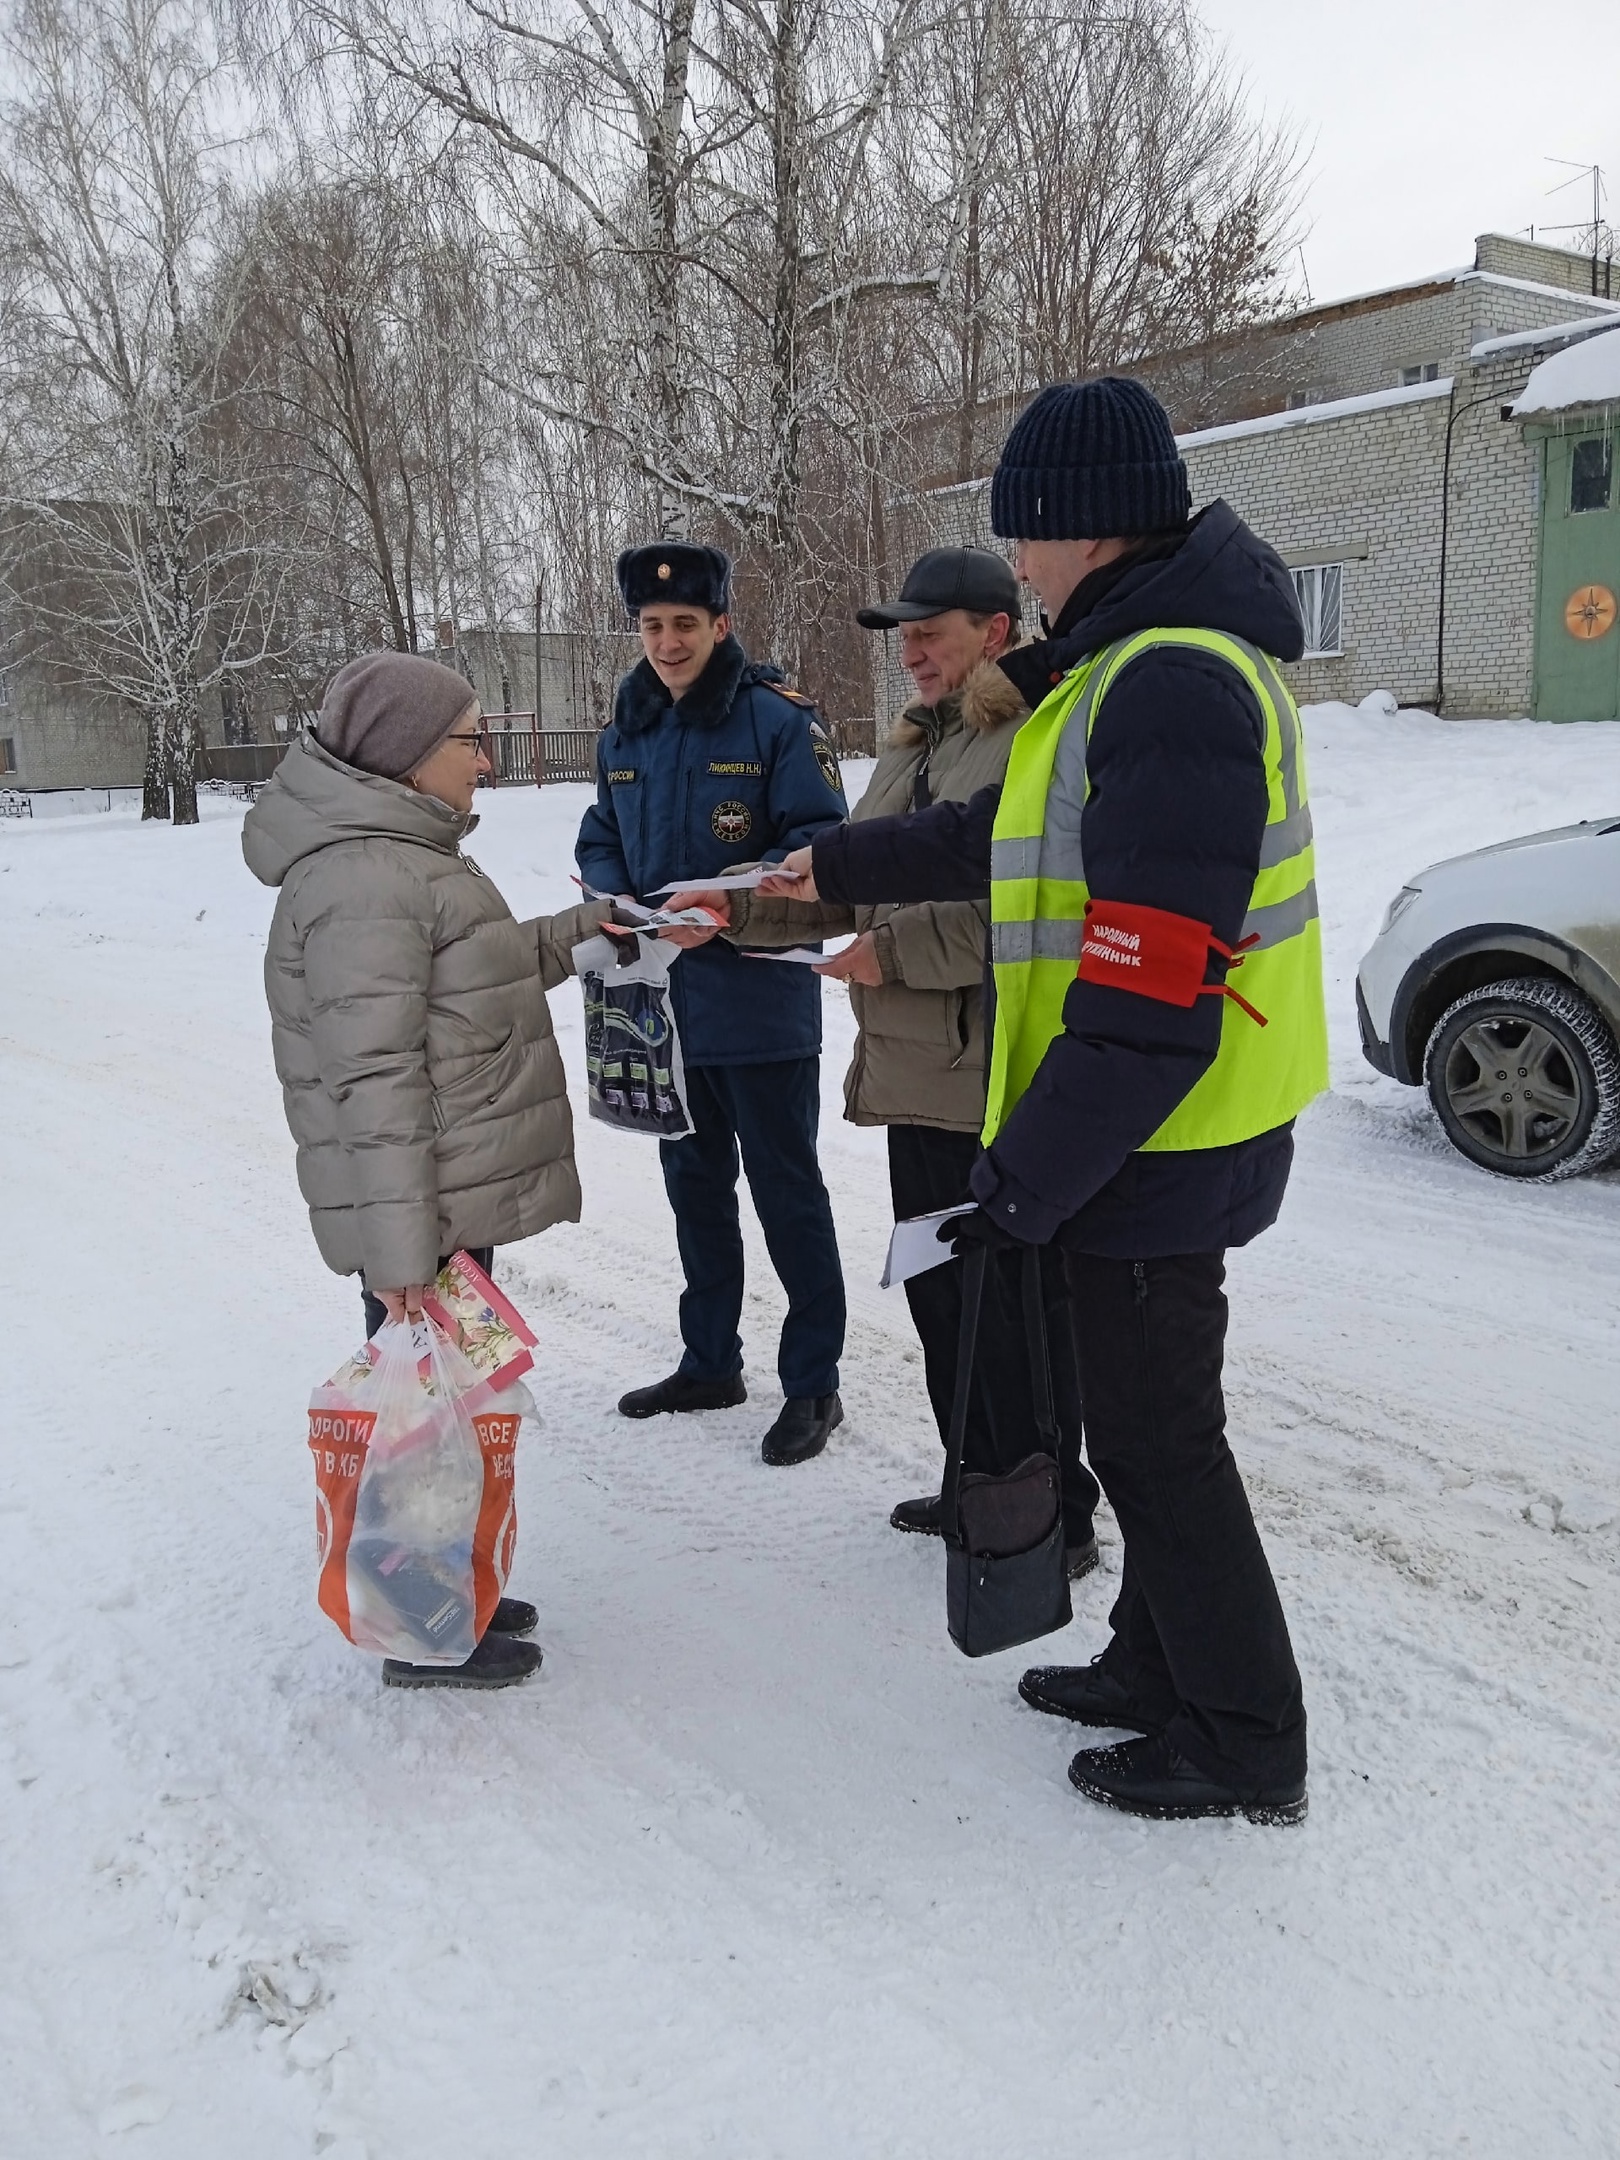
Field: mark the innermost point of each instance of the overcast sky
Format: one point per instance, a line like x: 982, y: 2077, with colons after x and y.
x: 1432, y: 120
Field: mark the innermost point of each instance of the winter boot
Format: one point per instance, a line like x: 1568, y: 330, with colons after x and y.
x: 1080, y: 1555
x: 1148, y: 1777
x: 920, y: 1517
x: 801, y: 1430
x: 497, y: 1662
x: 1085, y: 1693
x: 514, y: 1616
x: 923, y: 1517
x: 681, y: 1392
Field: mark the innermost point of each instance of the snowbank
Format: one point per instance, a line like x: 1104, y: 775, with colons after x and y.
x: 759, y: 1865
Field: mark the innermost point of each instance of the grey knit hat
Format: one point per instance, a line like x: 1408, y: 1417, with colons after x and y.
x: 1090, y: 461
x: 387, y: 712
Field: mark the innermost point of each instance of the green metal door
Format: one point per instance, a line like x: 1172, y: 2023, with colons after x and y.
x: 1578, y: 613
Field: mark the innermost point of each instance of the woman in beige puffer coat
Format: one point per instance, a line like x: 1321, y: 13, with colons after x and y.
x: 412, y: 1039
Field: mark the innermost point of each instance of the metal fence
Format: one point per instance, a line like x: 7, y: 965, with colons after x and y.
x: 243, y: 764
x: 521, y: 754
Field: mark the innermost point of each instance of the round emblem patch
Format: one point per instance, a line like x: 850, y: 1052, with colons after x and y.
x: 731, y: 822
x: 1590, y: 612
x: 829, y: 765
x: 663, y: 570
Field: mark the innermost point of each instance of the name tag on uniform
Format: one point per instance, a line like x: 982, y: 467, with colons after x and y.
x: 621, y: 772
x: 738, y: 769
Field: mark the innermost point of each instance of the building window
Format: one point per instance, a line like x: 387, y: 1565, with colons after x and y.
x: 1591, y: 473
x: 1425, y: 371
x: 8, y: 754
x: 1320, y: 591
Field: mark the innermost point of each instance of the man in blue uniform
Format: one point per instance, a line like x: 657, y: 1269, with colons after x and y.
x: 712, y: 760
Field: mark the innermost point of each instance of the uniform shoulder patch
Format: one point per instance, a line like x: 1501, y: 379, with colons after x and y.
x: 827, y: 761
x: 797, y: 697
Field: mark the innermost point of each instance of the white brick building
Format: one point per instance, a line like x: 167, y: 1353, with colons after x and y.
x: 1420, y: 573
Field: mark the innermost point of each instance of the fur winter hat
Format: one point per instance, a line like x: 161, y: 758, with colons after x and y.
x: 682, y: 573
x: 1090, y: 461
x: 389, y: 711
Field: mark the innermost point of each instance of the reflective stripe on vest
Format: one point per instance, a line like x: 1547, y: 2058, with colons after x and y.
x: 1262, y: 1076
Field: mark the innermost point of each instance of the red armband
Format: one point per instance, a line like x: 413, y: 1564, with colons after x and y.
x: 1158, y: 955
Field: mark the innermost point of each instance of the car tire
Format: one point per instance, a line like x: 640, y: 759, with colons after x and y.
x: 1525, y: 1077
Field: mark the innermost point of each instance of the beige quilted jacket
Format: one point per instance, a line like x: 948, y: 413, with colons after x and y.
x: 412, y: 1038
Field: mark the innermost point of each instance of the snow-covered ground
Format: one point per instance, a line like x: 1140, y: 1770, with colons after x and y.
x: 759, y: 1865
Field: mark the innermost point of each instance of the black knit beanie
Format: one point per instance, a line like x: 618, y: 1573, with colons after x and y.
x: 1090, y: 461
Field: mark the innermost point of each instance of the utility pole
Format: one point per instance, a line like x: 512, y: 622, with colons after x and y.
x: 539, y: 667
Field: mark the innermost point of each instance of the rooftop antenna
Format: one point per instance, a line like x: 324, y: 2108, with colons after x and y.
x: 1595, y: 233
x: 1306, y: 275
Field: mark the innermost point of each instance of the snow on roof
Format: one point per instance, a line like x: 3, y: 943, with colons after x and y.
x: 1584, y: 374
x: 1561, y: 333
x: 1551, y: 292
x: 1308, y: 415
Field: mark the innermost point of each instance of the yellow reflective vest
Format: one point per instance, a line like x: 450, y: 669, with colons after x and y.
x: 1262, y: 1076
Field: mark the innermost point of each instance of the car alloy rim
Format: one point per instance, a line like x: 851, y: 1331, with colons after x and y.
x: 1511, y: 1083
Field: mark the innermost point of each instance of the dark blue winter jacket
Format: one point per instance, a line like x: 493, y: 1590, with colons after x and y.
x: 1174, y: 816
x: 740, y: 769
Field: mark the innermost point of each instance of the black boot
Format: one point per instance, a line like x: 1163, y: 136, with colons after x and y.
x: 1080, y: 1555
x: 497, y: 1662
x: 1085, y: 1693
x: 923, y: 1517
x: 1148, y: 1777
x: 679, y: 1392
x: 514, y: 1616
x: 801, y: 1430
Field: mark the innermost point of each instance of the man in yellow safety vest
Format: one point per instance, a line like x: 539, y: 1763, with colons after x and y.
x: 1158, y: 1026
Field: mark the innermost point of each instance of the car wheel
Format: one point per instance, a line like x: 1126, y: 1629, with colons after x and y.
x: 1525, y: 1078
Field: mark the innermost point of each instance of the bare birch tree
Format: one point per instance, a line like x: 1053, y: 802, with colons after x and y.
x: 142, y: 566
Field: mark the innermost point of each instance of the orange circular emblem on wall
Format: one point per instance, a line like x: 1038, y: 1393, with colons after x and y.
x: 1589, y: 612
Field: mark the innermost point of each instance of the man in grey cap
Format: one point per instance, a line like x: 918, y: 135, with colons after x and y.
x: 915, y: 978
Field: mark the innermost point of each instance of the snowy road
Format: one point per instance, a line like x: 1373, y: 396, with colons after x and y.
x: 759, y: 1865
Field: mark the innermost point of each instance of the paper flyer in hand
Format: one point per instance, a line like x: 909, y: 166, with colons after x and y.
x: 738, y: 881
x: 646, y: 918
x: 800, y: 955
x: 914, y: 1247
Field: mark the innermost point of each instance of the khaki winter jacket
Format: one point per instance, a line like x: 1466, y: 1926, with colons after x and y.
x: 920, y: 1053
x: 412, y: 1039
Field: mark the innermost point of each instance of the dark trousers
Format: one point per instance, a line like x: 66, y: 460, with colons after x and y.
x: 377, y: 1311
x: 928, y: 1169
x: 770, y: 1113
x: 1199, y: 1635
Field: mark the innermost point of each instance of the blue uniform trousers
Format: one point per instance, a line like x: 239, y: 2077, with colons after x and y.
x: 771, y: 1112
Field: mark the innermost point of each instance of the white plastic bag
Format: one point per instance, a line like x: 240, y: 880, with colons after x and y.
x: 633, y: 1062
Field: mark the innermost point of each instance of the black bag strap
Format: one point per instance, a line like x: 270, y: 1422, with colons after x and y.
x: 967, y: 1344
x: 1040, y: 1362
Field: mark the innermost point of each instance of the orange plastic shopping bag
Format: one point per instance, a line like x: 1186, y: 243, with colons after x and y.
x: 416, y: 1518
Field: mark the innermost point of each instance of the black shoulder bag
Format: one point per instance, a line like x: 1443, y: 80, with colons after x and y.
x: 1006, y: 1580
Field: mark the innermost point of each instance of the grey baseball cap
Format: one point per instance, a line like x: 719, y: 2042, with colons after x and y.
x: 947, y: 578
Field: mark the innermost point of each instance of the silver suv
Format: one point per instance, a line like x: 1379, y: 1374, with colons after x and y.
x: 1494, y: 982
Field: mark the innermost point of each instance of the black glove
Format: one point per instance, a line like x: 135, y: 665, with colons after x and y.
x: 963, y: 1232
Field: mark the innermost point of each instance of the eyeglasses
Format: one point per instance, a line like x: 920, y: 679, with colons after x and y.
x: 480, y: 741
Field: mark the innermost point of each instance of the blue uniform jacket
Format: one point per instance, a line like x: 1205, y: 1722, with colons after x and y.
x: 737, y: 770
